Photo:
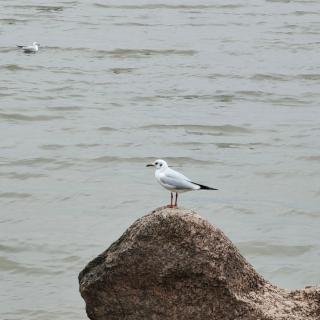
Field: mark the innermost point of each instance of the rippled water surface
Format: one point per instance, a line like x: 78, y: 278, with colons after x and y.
x: 226, y: 91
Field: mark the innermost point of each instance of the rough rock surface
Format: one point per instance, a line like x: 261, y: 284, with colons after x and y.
x: 172, y: 264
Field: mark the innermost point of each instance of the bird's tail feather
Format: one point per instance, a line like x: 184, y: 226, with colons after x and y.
x: 202, y: 187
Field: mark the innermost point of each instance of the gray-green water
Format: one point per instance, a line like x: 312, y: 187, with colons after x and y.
x: 227, y: 91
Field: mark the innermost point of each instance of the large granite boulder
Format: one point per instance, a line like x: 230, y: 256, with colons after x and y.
x: 173, y: 264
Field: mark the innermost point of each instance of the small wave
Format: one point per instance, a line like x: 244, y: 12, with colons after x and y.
x: 290, y: 101
x: 284, y: 77
x: 135, y: 24
x: 169, y: 6
x: 253, y: 93
x: 7, y: 94
x: 121, y: 70
x: 49, y: 8
x: 111, y: 159
x: 70, y: 259
x: 284, y: 1
x: 15, y: 67
x: 39, y: 314
x: 199, y: 128
x: 272, y: 77
x: 280, y: 100
x: 67, y: 108
x: 50, y: 164
x: 13, y: 21
x: 30, y: 162
x: 45, y: 8
x: 146, y: 52
x: 231, y: 145
x: 145, y: 160
x: 22, y: 176
x: 189, y: 161
x: 303, y: 13
x: 12, y: 67
x: 260, y: 248
x: 128, y: 53
x: 311, y: 158
x: 310, y: 76
x: 15, y: 195
x: 65, y: 70
x: 59, y: 89
x: 107, y: 129
x: 309, y: 214
x: 217, y: 97
x: 87, y: 145
x: 11, y: 249
x: 22, y: 117
x: 269, y: 174
x: 52, y: 146
x: 203, y: 97
x: 16, y: 267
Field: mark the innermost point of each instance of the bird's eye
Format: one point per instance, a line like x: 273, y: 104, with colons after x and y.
x: 156, y: 163
x: 160, y: 164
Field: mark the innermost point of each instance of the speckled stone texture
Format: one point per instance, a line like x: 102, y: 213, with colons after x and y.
x: 173, y: 264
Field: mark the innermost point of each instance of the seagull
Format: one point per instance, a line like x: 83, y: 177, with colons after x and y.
x: 30, y: 49
x: 174, y: 181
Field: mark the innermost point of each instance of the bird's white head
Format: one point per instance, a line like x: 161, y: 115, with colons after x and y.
x: 158, y: 165
x: 36, y: 44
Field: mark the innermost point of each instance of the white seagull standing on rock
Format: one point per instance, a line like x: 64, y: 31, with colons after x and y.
x: 174, y: 181
x: 30, y: 49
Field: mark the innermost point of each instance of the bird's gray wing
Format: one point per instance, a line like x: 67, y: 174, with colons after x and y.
x: 177, y: 181
x: 176, y: 175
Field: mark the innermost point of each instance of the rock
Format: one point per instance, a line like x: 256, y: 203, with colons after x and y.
x: 172, y: 264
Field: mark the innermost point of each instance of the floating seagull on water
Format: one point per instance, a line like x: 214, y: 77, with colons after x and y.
x: 174, y: 181
x: 30, y: 49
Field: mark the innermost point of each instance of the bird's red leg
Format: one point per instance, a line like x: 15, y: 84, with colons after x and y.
x: 171, y: 202
x: 176, y: 204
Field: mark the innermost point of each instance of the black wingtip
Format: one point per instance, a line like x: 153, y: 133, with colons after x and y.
x: 207, y: 188
x: 202, y: 187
